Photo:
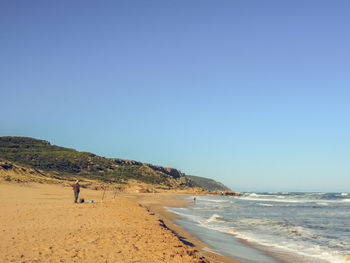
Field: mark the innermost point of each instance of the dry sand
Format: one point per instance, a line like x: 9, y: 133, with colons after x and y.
x: 156, y: 203
x: 41, y: 223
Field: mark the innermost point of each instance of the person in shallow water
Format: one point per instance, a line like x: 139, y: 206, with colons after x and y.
x: 76, y: 188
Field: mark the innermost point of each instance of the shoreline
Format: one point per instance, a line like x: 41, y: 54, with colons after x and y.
x: 156, y: 204
x: 250, y: 248
x: 41, y: 223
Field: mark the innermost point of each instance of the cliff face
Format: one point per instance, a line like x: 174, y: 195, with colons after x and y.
x: 168, y: 171
x: 125, y: 162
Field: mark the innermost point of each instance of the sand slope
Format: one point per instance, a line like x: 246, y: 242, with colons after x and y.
x: 40, y: 223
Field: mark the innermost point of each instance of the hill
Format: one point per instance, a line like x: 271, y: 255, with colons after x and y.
x: 68, y: 164
x: 208, y: 184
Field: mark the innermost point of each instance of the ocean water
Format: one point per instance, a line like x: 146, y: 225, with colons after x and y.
x: 312, y: 227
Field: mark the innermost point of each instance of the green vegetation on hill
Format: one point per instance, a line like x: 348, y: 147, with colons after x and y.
x: 69, y: 163
x: 208, y: 184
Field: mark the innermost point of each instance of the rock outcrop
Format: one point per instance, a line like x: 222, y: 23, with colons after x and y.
x: 174, y: 173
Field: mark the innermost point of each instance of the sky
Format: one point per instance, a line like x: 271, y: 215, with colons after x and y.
x: 254, y: 94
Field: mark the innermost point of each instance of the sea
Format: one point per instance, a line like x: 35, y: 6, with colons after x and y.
x: 272, y: 227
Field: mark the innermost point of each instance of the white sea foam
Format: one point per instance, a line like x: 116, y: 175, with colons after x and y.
x: 214, y: 218
x: 322, y: 203
x: 216, y: 227
x: 215, y: 200
x: 281, y: 199
x: 263, y: 204
x: 280, y: 196
x: 190, y: 217
x: 315, y: 234
x: 274, y: 200
x: 315, y: 253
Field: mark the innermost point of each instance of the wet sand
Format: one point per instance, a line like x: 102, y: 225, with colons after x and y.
x: 41, y: 223
x: 156, y: 204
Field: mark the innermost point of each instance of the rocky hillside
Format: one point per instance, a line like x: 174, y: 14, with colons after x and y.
x: 208, y: 184
x: 64, y: 163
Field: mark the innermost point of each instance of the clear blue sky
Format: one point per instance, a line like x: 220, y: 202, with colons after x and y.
x: 254, y: 94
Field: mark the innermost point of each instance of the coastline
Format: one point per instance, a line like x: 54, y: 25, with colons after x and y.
x: 228, y: 244
x: 156, y: 204
x: 40, y: 222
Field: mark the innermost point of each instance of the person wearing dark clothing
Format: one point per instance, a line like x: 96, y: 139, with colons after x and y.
x: 76, y: 188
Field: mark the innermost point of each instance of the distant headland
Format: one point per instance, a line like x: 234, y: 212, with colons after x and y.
x: 24, y: 159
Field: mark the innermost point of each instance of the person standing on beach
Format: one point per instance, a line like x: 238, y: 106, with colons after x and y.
x: 76, y: 188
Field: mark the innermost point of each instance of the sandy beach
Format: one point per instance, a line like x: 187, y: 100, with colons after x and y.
x: 156, y: 203
x: 41, y: 223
